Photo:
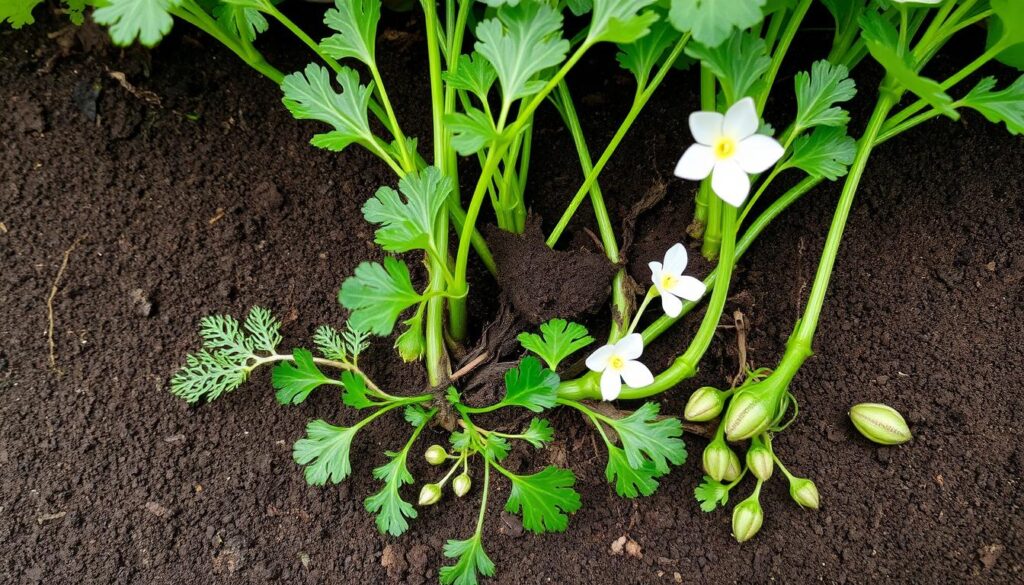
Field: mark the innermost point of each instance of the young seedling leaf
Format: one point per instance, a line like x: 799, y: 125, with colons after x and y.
x: 460, y: 440
x: 620, y: 21
x: 418, y: 416
x: 207, y: 375
x: 18, y: 12
x: 472, y: 561
x: 496, y: 448
x: 640, y: 56
x: 330, y: 343
x: 473, y: 74
x: 295, y: 381
x: 629, y: 482
x: 539, y: 433
x: 558, y: 340
x: 471, y: 131
x: 546, y: 499
x: 356, y: 24
x: 738, y: 63
x: 712, y: 21
x: 817, y: 93
x: 392, y: 511
x: 324, y: 452
x: 310, y: 96
x: 412, y: 344
x: 264, y: 331
x: 409, y: 225
x: 530, y: 386
x: 222, y: 334
x: 711, y: 494
x: 452, y: 395
x: 241, y: 21
x: 377, y: 294
x: 521, y: 42
x: 146, y: 20
x: 825, y: 153
x: 1006, y: 106
x: 882, y: 47
x: 644, y: 438
x: 356, y: 394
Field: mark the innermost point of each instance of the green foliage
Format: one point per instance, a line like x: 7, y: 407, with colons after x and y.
x: 644, y: 438
x: 1011, y: 20
x: 343, y: 347
x: 558, y: 340
x: 356, y: 394
x: 738, y: 63
x: 324, y: 452
x: 545, y: 499
x: 539, y: 433
x: 310, y: 96
x: 356, y: 24
x: 295, y: 381
x: 472, y: 561
x: 620, y: 21
x: 240, y: 21
x: 377, y: 294
x: 640, y: 56
x: 229, y: 354
x: 473, y: 74
x: 146, y: 20
x: 629, y: 482
x: 712, y: 21
x: 521, y: 42
x: 711, y: 494
x: 817, y: 93
x: 495, y: 447
x: 409, y: 225
x: 471, y: 131
x: 825, y: 153
x: 530, y: 386
x: 18, y: 12
x: 1006, y: 106
x: 392, y: 511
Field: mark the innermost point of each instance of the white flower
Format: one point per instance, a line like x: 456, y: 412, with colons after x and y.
x: 728, y: 148
x: 617, y: 364
x: 671, y: 284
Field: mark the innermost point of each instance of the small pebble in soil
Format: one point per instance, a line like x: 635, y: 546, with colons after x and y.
x: 141, y: 303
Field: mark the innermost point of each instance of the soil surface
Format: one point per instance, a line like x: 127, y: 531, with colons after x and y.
x: 178, y: 186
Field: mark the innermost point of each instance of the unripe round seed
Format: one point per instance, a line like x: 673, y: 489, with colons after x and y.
x: 720, y: 462
x: 880, y: 423
x: 430, y: 493
x: 759, y: 460
x: 435, y: 455
x: 749, y: 414
x: 704, y: 404
x: 461, y: 484
x: 804, y: 492
x: 747, y: 518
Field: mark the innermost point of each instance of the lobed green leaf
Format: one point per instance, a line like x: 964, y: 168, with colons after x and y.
x: 738, y: 63
x: 817, y: 93
x: 356, y: 24
x: 827, y: 153
x: 146, y: 20
x: 711, y: 22
x: 1006, y: 106
x: 472, y: 561
x: 620, y: 21
x: 294, y: 382
x: 545, y: 499
x: 530, y: 386
x: 377, y: 294
x: 310, y: 96
x: 325, y: 452
x: 409, y: 225
x: 558, y: 340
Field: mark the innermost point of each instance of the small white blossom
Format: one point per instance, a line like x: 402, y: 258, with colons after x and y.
x: 729, y: 149
x: 618, y: 363
x: 671, y: 284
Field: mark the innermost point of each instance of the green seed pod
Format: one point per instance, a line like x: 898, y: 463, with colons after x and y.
x: 747, y: 518
x: 880, y: 423
x: 704, y: 404
x: 411, y: 345
x: 435, y: 455
x: 430, y: 493
x: 759, y: 460
x: 804, y: 492
x: 461, y: 485
x: 720, y: 462
x: 750, y: 413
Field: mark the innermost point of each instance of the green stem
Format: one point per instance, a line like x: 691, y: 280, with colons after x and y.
x: 194, y: 14
x: 713, y: 230
x: 780, y: 51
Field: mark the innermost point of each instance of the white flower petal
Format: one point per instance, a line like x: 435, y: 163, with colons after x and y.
x: 671, y: 304
x: 696, y: 163
x: 630, y: 347
x: 656, y: 275
x: 706, y: 126
x: 689, y: 288
x: 598, y: 361
x: 758, y: 153
x: 611, y: 385
x: 636, y: 375
x: 675, y: 260
x: 741, y: 120
x: 730, y: 183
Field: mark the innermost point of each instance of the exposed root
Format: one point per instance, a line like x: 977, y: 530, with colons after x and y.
x: 49, y: 302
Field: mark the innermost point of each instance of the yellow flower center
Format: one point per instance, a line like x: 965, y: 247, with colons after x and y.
x: 616, y: 363
x: 668, y: 281
x: 724, y: 147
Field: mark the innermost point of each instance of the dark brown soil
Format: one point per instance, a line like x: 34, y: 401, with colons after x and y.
x: 190, y: 190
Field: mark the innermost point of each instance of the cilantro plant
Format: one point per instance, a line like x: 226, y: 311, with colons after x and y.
x: 491, y: 66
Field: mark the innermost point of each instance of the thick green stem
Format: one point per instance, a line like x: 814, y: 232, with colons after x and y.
x: 702, y: 212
